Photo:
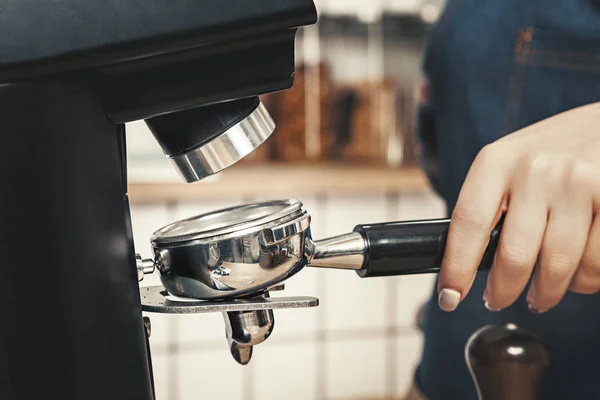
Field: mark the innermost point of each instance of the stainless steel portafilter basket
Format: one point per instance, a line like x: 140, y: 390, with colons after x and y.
x: 230, y: 260
x: 242, y: 251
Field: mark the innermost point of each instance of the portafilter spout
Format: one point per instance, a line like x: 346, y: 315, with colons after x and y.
x: 248, y: 321
x: 246, y: 329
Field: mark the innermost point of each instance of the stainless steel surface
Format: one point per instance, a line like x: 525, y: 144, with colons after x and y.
x: 241, y: 354
x: 226, y: 149
x: 233, y: 221
x: 242, y: 251
x: 144, y: 267
x: 155, y: 299
x: 231, y: 253
x: 341, y: 252
x: 148, y: 326
x: 281, y: 233
x: 246, y: 329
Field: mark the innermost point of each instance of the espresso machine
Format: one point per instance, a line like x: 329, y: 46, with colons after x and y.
x: 72, y: 73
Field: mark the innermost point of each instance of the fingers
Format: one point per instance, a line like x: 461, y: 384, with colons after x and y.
x: 562, y: 248
x: 477, y: 211
x: 587, y: 277
x: 548, y: 221
x: 520, y: 241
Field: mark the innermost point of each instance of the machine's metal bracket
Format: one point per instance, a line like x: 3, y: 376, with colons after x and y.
x: 155, y: 299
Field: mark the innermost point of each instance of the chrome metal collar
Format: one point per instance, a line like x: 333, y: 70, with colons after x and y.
x: 277, y: 220
x: 226, y: 149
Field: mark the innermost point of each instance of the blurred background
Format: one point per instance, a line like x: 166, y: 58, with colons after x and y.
x: 344, y: 146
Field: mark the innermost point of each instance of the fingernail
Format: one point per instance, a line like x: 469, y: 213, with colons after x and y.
x: 490, y: 308
x: 448, y: 299
x: 531, y: 293
x: 486, y: 302
x: 531, y: 299
x: 537, y: 310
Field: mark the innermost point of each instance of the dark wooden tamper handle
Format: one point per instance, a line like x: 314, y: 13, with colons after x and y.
x: 507, y: 363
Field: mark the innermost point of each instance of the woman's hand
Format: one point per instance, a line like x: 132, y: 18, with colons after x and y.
x: 546, y: 178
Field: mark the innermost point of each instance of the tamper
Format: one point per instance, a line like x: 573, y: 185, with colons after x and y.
x: 507, y: 363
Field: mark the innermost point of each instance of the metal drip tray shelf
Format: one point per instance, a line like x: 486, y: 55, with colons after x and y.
x: 155, y: 299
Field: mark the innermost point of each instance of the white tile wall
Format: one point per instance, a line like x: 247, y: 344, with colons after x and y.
x: 209, y: 375
x: 162, y: 330
x: 349, y: 301
x: 317, y: 209
x: 356, y: 369
x: 420, y: 206
x: 345, y: 212
x: 160, y: 365
x: 413, y: 292
x: 408, y: 353
x: 140, y: 143
x: 285, y: 372
x: 294, y: 322
x: 200, y: 328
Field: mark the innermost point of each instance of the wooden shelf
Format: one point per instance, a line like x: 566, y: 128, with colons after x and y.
x: 281, y: 180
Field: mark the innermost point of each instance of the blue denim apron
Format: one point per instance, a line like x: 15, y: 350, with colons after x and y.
x: 495, y: 66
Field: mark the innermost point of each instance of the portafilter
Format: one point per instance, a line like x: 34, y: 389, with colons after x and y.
x: 242, y: 251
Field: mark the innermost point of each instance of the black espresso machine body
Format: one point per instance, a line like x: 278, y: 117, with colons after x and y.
x: 71, y: 74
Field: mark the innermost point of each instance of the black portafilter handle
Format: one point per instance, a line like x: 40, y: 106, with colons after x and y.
x: 507, y: 363
x: 414, y: 247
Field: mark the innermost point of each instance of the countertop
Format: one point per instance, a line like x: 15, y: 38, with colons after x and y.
x: 155, y: 181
